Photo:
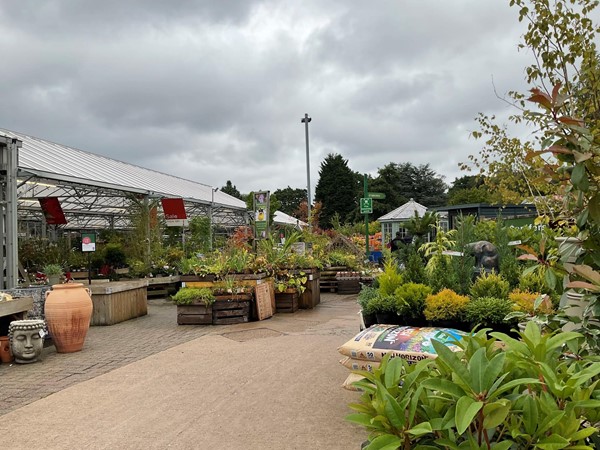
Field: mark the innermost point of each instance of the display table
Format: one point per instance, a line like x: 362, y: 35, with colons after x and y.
x: 15, y: 309
x: 117, y: 301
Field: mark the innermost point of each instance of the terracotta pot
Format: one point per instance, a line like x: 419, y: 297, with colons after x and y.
x: 5, y: 353
x: 68, y: 310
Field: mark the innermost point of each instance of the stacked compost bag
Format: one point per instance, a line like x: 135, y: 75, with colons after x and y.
x: 366, y: 350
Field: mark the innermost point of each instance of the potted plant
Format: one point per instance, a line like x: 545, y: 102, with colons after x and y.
x: 53, y: 273
x: 490, y: 285
x: 194, y: 306
x: 411, y: 303
x: 365, y: 299
x: 385, y: 307
x: 446, y: 309
x: 490, y: 312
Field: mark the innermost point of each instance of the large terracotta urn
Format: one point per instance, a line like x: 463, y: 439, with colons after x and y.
x: 68, y: 311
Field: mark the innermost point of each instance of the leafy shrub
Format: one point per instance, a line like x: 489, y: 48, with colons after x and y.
x: 365, y: 299
x: 411, y: 299
x: 534, y: 282
x: 414, y: 269
x: 525, y: 301
x: 490, y: 285
x: 475, y: 399
x: 445, y: 305
x: 187, y: 296
x: 390, y: 279
x: 383, y: 304
x: 488, y: 311
x: 114, y: 255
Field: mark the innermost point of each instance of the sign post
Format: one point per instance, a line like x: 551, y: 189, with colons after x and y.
x: 88, y: 245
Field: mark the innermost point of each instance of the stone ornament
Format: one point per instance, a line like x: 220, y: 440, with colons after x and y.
x: 26, y: 340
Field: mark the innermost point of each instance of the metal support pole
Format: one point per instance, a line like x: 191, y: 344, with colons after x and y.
x: 366, y: 195
x: 305, y: 121
x: 9, y: 162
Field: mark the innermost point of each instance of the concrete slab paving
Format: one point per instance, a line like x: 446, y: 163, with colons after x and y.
x: 274, y: 384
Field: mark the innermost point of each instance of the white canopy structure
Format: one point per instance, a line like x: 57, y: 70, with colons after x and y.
x: 95, y: 192
x: 281, y: 218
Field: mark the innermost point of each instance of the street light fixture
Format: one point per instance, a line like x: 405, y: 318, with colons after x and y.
x: 305, y: 121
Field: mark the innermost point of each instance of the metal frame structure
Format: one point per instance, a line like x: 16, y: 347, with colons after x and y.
x: 95, y: 192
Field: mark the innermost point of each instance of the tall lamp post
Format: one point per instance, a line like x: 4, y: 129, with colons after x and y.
x: 305, y: 121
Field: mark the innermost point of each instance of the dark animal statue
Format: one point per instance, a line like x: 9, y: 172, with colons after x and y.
x: 486, y: 256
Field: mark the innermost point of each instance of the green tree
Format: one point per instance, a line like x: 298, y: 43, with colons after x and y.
x: 401, y: 182
x: 469, y: 189
x: 290, y: 199
x: 230, y: 189
x: 561, y: 36
x: 337, y: 190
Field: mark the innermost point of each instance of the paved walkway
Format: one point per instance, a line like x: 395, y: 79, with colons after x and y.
x: 268, y: 384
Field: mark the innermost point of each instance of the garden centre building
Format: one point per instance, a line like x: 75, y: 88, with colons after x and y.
x: 91, y: 191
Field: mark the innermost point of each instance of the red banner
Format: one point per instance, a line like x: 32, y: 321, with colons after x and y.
x: 52, y: 211
x: 173, y: 208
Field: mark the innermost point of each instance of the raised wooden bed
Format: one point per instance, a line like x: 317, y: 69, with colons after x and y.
x: 230, y: 309
x: 286, y: 302
x: 197, y: 278
x: 118, y: 301
x: 194, y: 314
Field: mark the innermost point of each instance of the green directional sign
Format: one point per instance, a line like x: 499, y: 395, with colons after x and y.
x: 376, y: 195
x: 366, y: 205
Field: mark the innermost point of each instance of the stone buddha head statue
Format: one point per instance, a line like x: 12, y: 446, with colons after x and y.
x: 26, y: 340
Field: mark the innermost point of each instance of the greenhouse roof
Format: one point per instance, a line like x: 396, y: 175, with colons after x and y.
x: 92, y: 185
x: 404, y: 212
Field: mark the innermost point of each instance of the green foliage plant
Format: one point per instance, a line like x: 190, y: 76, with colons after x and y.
x: 488, y: 311
x: 414, y: 268
x: 496, y: 392
x: 490, y: 285
x: 463, y: 265
x: 411, y: 300
x: 530, y: 303
x: 384, y: 304
x: 189, y: 295
x: 446, y: 305
x: 390, y: 279
x: 291, y: 280
x: 365, y: 299
x: 53, y: 269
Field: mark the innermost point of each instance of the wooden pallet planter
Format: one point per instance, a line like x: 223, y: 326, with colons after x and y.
x: 286, y: 302
x: 346, y: 287
x: 194, y: 314
x: 327, y: 281
x: 348, y: 282
x: 230, y: 309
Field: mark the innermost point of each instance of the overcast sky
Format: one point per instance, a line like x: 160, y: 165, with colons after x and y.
x: 215, y: 90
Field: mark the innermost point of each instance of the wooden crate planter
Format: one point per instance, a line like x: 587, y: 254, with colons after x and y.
x: 194, y: 314
x: 230, y: 309
x: 286, y: 302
